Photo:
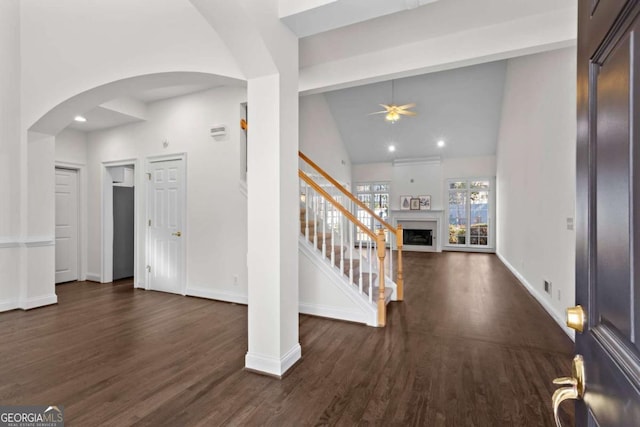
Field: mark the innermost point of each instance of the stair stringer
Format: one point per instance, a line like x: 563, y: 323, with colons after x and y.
x: 324, y: 291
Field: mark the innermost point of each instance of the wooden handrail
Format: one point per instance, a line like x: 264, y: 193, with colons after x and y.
x: 397, y: 231
x: 337, y: 205
x: 351, y: 197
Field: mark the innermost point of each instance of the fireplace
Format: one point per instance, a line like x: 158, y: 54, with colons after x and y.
x: 417, y: 237
x: 420, y: 229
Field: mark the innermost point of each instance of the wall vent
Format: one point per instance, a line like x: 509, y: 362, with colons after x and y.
x: 218, y: 130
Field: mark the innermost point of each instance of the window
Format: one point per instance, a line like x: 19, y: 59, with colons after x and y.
x: 469, y: 212
x: 376, y: 196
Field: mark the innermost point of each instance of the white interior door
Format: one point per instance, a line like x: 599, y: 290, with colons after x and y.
x: 66, y: 225
x: 166, y: 198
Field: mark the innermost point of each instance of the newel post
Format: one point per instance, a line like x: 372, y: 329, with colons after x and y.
x: 382, y: 309
x: 400, y: 278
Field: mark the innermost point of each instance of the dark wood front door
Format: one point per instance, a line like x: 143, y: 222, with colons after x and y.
x: 608, y: 191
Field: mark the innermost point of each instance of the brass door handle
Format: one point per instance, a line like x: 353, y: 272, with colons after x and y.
x: 576, y: 318
x: 177, y: 234
x: 575, y: 390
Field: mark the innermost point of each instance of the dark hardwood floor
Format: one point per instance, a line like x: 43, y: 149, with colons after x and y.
x: 468, y: 347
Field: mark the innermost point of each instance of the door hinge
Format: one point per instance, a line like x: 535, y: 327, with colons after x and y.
x: 149, y: 176
x: 149, y: 268
x: 149, y: 223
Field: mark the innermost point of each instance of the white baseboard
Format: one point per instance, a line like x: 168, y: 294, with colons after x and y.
x: 30, y: 303
x: 272, y: 365
x: 469, y: 249
x: 339, y: 313
x: 217, y: 294
x: 139, y: 285
x: 93, y: 277
x: 8, y: 304
x: 540, y: 298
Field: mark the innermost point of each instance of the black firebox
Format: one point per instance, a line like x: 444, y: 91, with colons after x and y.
x: 417, y: 237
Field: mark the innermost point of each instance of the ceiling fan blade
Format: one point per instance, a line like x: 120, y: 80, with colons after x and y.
x: 377, y: 112
x: 404, y: 107
x: 387, y: 107
x: 407, y: 113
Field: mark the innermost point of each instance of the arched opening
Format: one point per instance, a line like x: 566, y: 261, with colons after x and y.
x: 135, y: 124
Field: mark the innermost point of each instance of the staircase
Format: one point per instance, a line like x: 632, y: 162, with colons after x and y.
x: 341, y: 258
x: 339, y: 276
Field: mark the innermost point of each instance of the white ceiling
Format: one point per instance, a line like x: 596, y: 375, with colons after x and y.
x: 430, y: 21
x: 145, y: 91
x: 461, y: 106
x: 329, y: 15
x: 102, y: 118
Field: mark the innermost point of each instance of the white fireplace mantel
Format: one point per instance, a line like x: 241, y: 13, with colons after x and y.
x: 399, y: 216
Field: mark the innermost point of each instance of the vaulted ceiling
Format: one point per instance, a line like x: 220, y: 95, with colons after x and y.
x: 462, y: 107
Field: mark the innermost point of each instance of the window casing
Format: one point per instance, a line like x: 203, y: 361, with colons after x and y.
x: 376, y: 196
x: 470, y: 212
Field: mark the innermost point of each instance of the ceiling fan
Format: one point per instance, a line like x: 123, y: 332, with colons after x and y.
x: 393, y: 112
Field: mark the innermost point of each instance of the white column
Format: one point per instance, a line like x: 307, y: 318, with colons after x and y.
x: 9, y: 154
x: 38, y: 276
x: 267, y: 53
x: 273, y: 214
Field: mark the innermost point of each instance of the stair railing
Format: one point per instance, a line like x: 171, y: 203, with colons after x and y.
x: 395, y: 233
x: 330, y: 227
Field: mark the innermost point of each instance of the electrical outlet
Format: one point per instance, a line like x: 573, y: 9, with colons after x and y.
x: 559, y: 296
x: 547, y: 287
x: 569, y: 223
x: 235, y: 279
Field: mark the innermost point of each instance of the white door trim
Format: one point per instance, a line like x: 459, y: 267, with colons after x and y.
x: 81, y: 170
x: 106, y: 221
x: 183, y: 209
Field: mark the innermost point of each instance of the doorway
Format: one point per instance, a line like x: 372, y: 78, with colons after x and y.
x: 119, y: 241
x: 166, y: 213
x: 67, y: 222
x: 123, y: 222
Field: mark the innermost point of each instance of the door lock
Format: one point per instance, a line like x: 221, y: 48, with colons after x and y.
x: 576, y: 384
x: 177, y: 234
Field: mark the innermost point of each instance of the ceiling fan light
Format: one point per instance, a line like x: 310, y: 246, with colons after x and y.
x: 392, y: 116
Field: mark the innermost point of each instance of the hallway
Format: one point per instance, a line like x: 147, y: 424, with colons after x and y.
x: 468, y: 347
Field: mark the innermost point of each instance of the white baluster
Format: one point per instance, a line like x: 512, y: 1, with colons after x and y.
x: 306, y: 212
x: 351, y: 243
x: 392, y: 239
x: 361, y: 265
x: 324, y: 228
x: 369, y: 246
x: 315, y: 220
x: 341, y: 231
x: 333, y: 237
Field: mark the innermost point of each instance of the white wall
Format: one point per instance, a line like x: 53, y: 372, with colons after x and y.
x: 469, y: 167
x: 369, y: 172
x: 70, y: 46
x: 216, y: 210
x: 9, y: 153
x: 71, y: 147
x: 536, y: 175
x: 422, y: 178
x: 429, y: 177
x: 320, y: 139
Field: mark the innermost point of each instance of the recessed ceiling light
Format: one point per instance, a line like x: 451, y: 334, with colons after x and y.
x: 79, y: 119
x: 441, y: 143
x: 392, y: 148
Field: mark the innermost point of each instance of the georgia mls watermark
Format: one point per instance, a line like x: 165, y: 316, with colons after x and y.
x: 31, y: 416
